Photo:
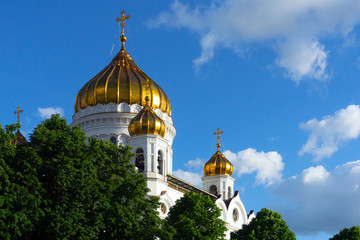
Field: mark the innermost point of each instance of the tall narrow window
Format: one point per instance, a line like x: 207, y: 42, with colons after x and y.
x: 113, y: 140
x: 140, y: 160
x: 213, y: 190
x: 160, y: 162
x: 229, y: 192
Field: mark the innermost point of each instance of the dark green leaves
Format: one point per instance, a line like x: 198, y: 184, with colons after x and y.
x: 195, y: 217
x: 58, y: 186
x: 267, y: 225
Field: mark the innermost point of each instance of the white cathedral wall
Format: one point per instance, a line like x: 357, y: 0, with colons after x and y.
x: 223, y: 183
x: 103, y: 121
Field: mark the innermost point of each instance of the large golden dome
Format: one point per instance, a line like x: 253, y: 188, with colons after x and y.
x: 218, y: 164
x: 147, y: 122
x: 121, y: 81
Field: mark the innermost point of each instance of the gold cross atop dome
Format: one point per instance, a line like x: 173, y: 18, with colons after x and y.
x: 218, y: 133
x: 17, y: 112
x: 122, y: 19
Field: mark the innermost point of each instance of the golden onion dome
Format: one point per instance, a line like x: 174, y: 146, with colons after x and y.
x: 218, y: 164
x: 147, y: 122
x: 121, y: 81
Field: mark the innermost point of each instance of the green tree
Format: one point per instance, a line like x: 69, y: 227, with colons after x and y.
x: 348, y: 234
x: 86, y: 190
x: 195, y: 216
x: 267, y: 225
x: 19, y: 189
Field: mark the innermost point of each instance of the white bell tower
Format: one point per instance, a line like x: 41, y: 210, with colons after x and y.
x: 217, y: 178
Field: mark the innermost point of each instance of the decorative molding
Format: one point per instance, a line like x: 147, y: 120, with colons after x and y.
x: 121, y: 108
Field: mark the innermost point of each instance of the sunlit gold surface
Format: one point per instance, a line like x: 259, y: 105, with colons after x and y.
x: 218, y: 164
x: 147, y: 122
x: 121, y: 81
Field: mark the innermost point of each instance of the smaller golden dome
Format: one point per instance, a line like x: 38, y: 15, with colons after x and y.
x: 147, y: 122
x: 218, y: 164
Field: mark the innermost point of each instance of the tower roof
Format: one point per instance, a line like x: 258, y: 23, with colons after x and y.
x: 121, y: 81
x: 147, y: 122
x: 218, y: 164
x: 19, y: 138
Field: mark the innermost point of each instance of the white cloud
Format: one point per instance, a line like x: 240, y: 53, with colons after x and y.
x: 314, y: 174
x: 190, y: 177
x: 268, y: 166
x: 317, y: 200
x: 328, y: 133
x: 303, y: 58
x: 47, y: 112
x: 293, y: 27
x: 198, y: 163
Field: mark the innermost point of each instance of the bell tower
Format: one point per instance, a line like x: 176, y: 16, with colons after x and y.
x: 218, y: 171
x: 153, y: 153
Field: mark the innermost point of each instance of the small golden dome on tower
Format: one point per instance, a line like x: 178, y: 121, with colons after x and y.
x: 218, y: 164
x: 121, y: 81
x: 147, y: 122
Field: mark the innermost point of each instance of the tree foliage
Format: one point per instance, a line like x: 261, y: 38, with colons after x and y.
x: 19, y: 189
x: 195, y: 216
x: 267, y: 225
x: 348, y: 234
x: 58, y: 186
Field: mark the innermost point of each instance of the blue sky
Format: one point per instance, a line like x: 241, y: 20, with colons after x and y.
x: 280, y: 78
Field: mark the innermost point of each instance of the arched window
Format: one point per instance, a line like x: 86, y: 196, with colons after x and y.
x: 160, y: 162
x: 213, y: 190
x: 229, y: 192
x: 140, y: 160
x: 113, y: 140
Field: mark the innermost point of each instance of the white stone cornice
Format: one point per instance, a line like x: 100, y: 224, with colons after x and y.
x: 122, y: 107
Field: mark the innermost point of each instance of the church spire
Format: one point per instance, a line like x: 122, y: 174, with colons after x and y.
x: 19, y: 138
x: 122, y: 19
x: 18, y: 112
x: 218, y: 133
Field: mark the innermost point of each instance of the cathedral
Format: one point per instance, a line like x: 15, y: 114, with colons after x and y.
x: 125, y: 106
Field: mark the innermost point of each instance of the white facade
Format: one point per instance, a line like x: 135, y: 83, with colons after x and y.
x: 219, y: 185
x: 154, y: 160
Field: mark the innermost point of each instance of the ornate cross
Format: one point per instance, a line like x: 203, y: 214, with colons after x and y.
x: 122, y: 19
x: 218, y: 138
x: 17, y: 112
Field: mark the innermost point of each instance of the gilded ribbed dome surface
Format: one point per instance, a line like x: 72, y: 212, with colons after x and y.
x: 147, y: 122
x: 121, y: 81
x: 218, y: 165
